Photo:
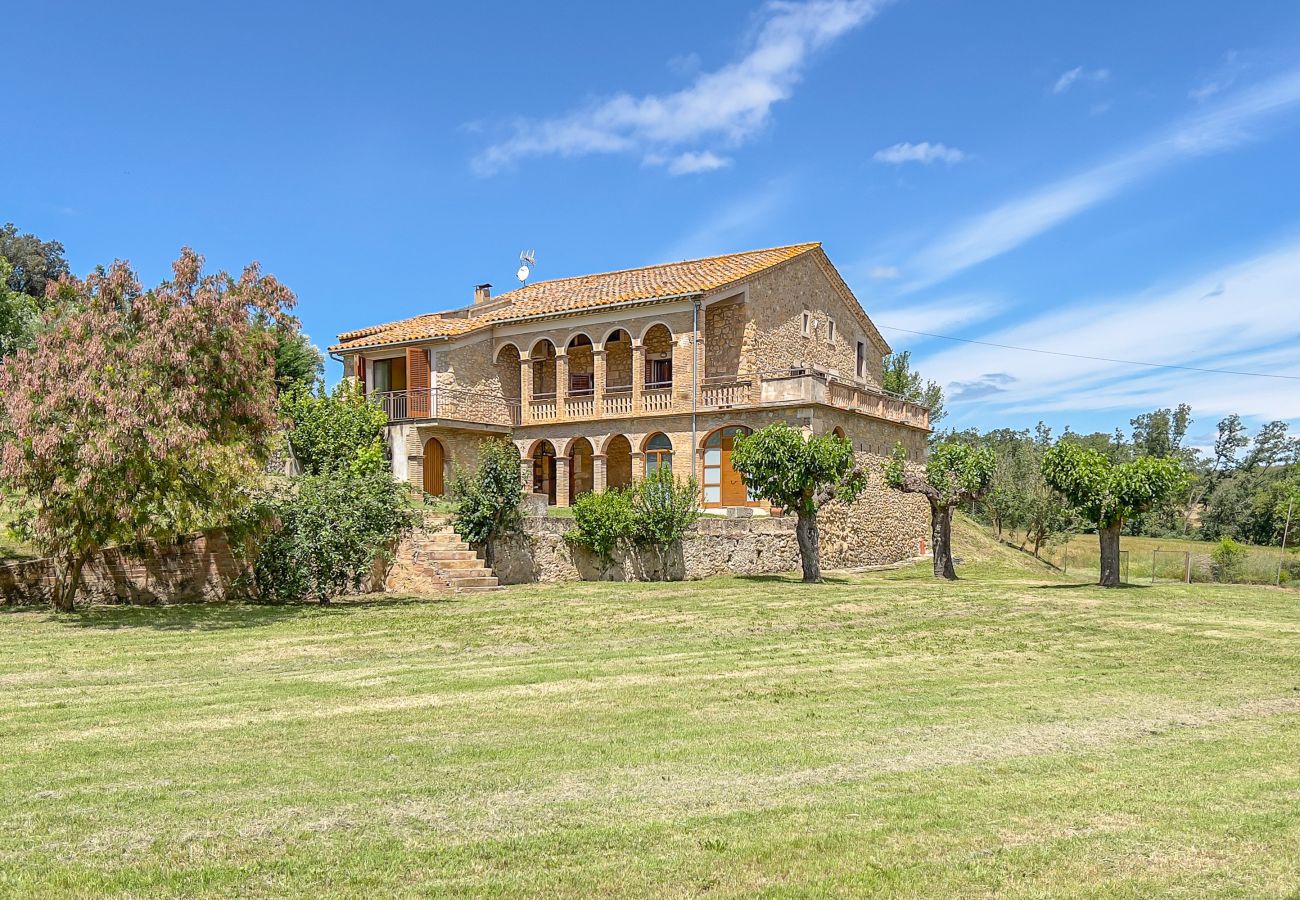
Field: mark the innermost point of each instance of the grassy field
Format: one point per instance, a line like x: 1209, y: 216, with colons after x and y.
x: 1081, y: 555
x: 1011, y: 733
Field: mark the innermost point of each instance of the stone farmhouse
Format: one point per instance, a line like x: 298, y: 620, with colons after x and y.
x: 600, y: 379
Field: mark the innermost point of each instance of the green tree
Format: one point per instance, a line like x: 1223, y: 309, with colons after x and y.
x: 900, y: 379
x: 787, y: 469
x: 19, y: 314
x: 140, y: 414
x: 1106, y: 493
x: 664, y: 508
x: 954, y: 472
x: 327, y: 532
x: 35, y: 263
x: 487, y: 502
x: 602, y: 520
x: 339, y: 431
x: 298, y: 363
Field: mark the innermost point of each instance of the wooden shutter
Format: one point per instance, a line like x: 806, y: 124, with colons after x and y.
x: 361, y: 372
x: 417, y: 383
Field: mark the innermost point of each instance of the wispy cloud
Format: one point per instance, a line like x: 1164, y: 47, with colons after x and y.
x: 724, y: 106
x: 1079, y: 73
x: 735, y: 224
x: 935, y: 316
x: 924, y: 152
x: 1006, y: 227
x: 884, y: 273
x: 691, y: 162
x: 1226, y: 318
x: 1221, y: 80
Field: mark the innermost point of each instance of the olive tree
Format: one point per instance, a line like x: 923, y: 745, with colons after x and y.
x: 1106, y: 492
x: 803, y: 474
x: 954, y: 472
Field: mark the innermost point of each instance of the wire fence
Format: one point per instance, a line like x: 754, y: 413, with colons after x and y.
x: 1150, y: 563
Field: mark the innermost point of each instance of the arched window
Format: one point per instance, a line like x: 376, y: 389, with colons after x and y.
x: 658, y: 454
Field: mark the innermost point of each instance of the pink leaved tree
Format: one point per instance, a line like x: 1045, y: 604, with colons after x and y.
x: 140, y: 414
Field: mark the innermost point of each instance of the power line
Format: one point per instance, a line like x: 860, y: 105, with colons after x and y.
x: 1127, y: 362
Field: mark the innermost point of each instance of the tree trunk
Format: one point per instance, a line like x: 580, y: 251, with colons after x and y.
x: 1109, y: 537
x: 941, y: 538
x: 67, y: 579
x: 805, y: 530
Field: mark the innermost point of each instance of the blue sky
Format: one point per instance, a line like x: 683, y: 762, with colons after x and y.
x: 1105, y: 179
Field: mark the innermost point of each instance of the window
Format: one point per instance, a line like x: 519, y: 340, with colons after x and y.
x: 390, y: 374
x: 862, y: 359
x: 581, y: 384
x: 658, y: 454
x: 830, y: 331
x: 807, y: 323
x: 659, y: 373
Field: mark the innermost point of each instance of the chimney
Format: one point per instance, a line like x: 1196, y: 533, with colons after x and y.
x: 482, y: 293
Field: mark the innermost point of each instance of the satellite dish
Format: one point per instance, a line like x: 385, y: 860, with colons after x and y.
x: 527, y: 260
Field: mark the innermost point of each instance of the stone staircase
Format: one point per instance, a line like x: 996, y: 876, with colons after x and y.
x: 435, y: 558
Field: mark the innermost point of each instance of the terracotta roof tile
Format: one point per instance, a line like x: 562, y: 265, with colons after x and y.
x: 567, y: 295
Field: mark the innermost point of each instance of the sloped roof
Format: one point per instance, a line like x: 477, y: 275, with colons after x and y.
x: 583, y: 292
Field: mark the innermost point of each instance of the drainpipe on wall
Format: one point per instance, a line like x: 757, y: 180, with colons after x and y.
x: 695, y: 382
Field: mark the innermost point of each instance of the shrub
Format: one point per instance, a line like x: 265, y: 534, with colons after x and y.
x: 340, y: 431
x: 664, y: 508
x: 487, y: 502
x: 1229, y: 560
x: 325, y: 534
x: 602, y: 520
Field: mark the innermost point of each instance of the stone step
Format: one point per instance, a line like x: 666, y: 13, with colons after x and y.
x: 482, y: 589
x: 458, y: 566
x: 443, y: 554
x: 459, y: 582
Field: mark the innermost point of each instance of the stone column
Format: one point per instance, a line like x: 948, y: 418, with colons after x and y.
x: 598, y: 377
x: 525, y: 390
x: 638, y: 374
x: 526, y: 473
x: 561, y: 384
x: 638, y: 465
x: 598, y: 472
x: 561, y: 481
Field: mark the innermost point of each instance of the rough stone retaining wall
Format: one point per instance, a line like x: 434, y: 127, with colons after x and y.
x: 756, y: 546
x: 198, y: 567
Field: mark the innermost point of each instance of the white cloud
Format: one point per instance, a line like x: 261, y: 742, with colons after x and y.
x: 1006, y: 227
x: 689, y: 163
x: 884, y: 273
x: 934, y: 316
x: 1227, y: 318
x: 924, y: 152
x: 726, y: 105
x: 747, y: 221
x: 1079, y: 73
x: 1222, y: 79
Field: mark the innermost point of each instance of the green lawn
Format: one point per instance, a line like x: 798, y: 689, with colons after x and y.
x: 1012, y: 733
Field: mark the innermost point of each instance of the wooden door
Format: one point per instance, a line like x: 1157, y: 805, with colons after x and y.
x: 733, y: 486
x: 434, y: 461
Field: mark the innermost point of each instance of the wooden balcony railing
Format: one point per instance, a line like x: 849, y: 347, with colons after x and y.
x: 715, y: 393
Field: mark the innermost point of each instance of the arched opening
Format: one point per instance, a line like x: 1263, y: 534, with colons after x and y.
x: 544, y: 470
x: 582, y: 468
x: 838, y: 432
x: 658, y: 343
x: 435, y: 461
x: 582, y: 371
x: 618, y: 362
x: 723, y: 485
x: 618, y: 462
x: 658, y: 454
x: 543, y: 359
x: 507, y: 366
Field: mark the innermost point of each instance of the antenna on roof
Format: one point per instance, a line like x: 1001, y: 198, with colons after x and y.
x: 527, y: 260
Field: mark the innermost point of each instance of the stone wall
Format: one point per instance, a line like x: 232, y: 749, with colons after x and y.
x: 199, y: 567
x: 881, y: 528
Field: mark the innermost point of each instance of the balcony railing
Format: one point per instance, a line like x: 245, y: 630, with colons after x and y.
x: 715, y: 393
x: 448, y: 403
